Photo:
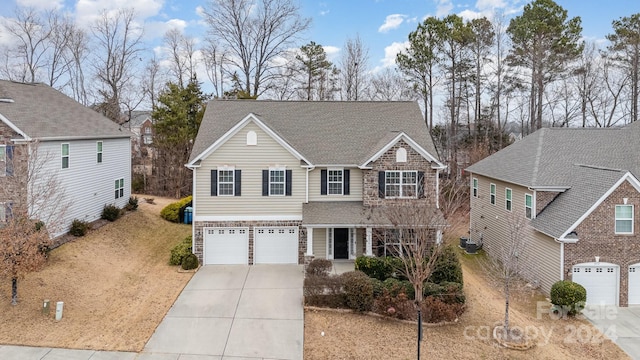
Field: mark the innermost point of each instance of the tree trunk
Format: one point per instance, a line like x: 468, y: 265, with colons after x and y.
x: 506, y: 309
x: 14, y: 291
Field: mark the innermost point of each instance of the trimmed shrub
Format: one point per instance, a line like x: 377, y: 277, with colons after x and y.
x: 110, y: 212
x: 180, y: 251
x: 399, y: 307
x: 448, y: 292
x: 319, y: 267
x: 374, y: 267
x: 132, y: 205
x: 324, y: 291
x: 190, y: 262
x: 569, y: 295
x: 79, y: 228
x: 378, y: 287
x: 447, y: 267
x: 172, y: 211
x: 358, y: 290
x: 396, y: 287
x: 435, y: 310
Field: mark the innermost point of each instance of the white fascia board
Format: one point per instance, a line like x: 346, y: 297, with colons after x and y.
x: 239, y: 126
x: 248, y: 218
x: 14, y: 127
x: 414, y: 145
x: 626, y: 177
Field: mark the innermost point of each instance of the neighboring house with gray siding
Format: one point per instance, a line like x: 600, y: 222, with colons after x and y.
x: 89, y: 155
x: 288, y: 181
x: 579, y: 192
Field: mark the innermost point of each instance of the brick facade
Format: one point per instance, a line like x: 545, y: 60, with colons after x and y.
x: 598, y: 238
x: 544, y: 198
x: 11, y: 188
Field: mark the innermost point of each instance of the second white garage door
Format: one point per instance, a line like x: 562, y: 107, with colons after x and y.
x: 275, y: 245
x: 600, y: 280
x: 226, y: 245
x: 634, y: 284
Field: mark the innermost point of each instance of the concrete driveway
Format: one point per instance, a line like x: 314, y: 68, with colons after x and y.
x: 620, y: 324
x: 234, y: 312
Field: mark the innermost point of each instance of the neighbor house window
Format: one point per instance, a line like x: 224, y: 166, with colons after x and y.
x: 276, y: 181
x: 492, y: 194
x: 334, y: 182
x: 507, y: 199
x: 225, y: 182
x: 528, y: 206
x: 99, y: 151
x: 119, y: 188
x: 3, y: 160
x: 402, y: 184
x: 624, y: 219
x: 147, y: 135
x: 65, y: 156
x: 3, y: 212
x: 475, y: 187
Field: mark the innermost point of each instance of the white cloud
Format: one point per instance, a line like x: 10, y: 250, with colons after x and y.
x: 390, y: 53
x: 157, y: 29
x: 41, y: 4
x: 490, y: 4
x: 332, y: 52
x: 87, y: 11
x: 392, y: 22
x: 470, y: 14
x: 443, y: 7
x: 200, y: 11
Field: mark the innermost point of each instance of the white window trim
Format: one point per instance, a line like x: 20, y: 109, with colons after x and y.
x: 284, y: 180
x: 615, y: 225
x: 3, y: 170
x: 493, y: 198
x: 528, y: 207
x: 401, y: 184
x: 120, y: 188
x: 99, y: 152
x: 68, y: 156
x: 335, y: 182
x: 233, y: 180
x: 474, y: 187
x: 508, y: 200
x: 3, y: 212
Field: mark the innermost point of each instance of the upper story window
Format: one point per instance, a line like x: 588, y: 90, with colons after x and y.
x: 528, y: 206
x: 276, y: 181
x: 507, y: 199
x: 65, y: 156
x: 334, y: 182
x: 119, y: 188
x: 401, y: 184
x: 475, y: 187
x: 401, y: 155
x: 492, y: 194
x: 99, y: 151
x: 226, y: 182
x: 147, y: 130
x: 624, y: 219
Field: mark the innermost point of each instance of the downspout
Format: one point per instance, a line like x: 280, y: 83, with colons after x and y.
x: 562, y: 261
x: 437, y: 188
x: 309, y: 169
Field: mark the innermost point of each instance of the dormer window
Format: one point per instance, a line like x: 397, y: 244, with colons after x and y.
x: 401, y: 155
x: 252, y: 138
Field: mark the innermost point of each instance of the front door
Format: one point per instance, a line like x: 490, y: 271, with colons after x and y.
x: 340, y: 243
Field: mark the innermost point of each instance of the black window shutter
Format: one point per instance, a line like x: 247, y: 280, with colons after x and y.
x: 9, y: 161
x: 214, y: 182
x: 346, y: 183
x: 265, y: 182
x: 237, y: 181
x: 421, y: 184
x: 323, y: 182
x: 288, y: 184
x: 381, y: 183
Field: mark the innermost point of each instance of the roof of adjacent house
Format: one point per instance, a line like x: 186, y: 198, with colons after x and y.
x: 324, y: 132
x: 42, y: 112
x: 582, y: 164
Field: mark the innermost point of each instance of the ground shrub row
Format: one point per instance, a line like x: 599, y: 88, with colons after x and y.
x: 175, y: 211
x: 109, y: 212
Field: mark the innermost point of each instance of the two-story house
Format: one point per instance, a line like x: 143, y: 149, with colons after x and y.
x: 51, y: 136
x: 285, y: 181
x: 579, y: 194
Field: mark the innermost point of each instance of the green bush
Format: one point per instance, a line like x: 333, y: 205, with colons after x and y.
x: 448, y: 292
x: 395, y: 287
x: 172, y: 211
x: 378, y: 287
x: 374, y: 267
x: 447, y: 267
x: 190, y: 262
x: 79, y: 228
x: 324, y: 291
x: 358, y: 291
x: 180, y: 251
x: 568, y: 295
x: 110, y: 212
x: 132, y: 205
x: 319, y: 267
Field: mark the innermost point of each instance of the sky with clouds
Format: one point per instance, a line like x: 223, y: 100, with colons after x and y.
x: 383, y: 25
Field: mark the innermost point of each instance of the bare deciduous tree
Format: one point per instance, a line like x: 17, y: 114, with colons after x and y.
x: 355, y: 57
x: 388, y: 85
x: 182, y: 49
x: 215, y: 61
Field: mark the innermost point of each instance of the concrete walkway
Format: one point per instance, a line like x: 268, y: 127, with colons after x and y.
x: 620, y: 324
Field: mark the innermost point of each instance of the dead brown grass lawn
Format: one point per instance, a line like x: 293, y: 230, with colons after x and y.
x: 115, y: 283
x: 353, y: 336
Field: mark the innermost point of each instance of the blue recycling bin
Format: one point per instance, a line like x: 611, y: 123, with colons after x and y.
x: 188, y: 215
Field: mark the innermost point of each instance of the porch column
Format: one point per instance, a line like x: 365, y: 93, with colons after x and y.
x: 309, y: 241
x: 369, y: 245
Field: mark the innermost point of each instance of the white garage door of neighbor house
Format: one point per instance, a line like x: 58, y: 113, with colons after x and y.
x: 226, y: 245
x: 275, y: 245
x: 600, y: 280
x: 634, y: 284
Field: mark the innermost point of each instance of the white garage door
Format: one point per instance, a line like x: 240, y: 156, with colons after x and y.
x: 275, y: 245
x: 634, y: 284
x: 600, y: 280
x: 226, y: 245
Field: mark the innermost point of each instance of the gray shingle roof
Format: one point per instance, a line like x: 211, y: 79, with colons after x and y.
x: 351, y: 213
x: 586, y: 161
x: 327, y: 132
x: 42, y: 112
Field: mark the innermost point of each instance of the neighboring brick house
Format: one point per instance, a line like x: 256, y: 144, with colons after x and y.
x: 88, y: 155
x: 287, y: 181
x: 579, y: 192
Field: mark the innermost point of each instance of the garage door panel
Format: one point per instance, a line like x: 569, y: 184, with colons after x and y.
x: 275, y: 245
x: 226, y: 246
x: 634, y: 284
x: 600, y: 281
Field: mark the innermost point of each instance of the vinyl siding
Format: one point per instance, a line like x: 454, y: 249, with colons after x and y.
x: 89, y: 185
x: 251, y: 160
x: 493, y: 222
x: 355, y: 186
x: 320, y: 243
